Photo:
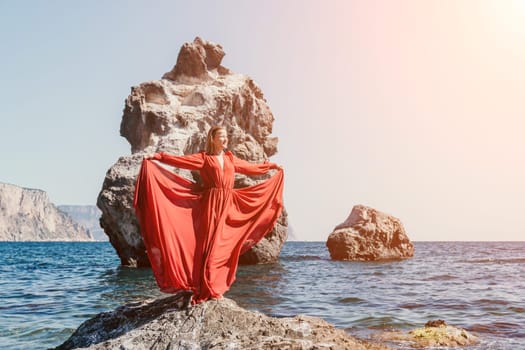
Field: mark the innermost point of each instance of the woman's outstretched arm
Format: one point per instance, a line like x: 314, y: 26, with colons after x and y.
x: 191, y: 161
x: 244, y: 167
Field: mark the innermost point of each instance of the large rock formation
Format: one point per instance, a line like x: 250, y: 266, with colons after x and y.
x: 88, y: 216
x: 28, y: 215
x: 173, y: 114
x: 369, y: 235
x: 215, y: 324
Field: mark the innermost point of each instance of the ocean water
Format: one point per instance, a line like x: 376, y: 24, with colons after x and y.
x: 48, y: 289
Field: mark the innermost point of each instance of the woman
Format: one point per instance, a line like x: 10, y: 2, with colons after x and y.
x: 195, y: 234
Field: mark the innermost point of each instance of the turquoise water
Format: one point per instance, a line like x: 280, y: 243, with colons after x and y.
x: 48, y: 289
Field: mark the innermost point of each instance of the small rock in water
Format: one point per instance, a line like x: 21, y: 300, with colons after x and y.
x: 435, y: 333
x: 369, y: 235
x: 436, y: 323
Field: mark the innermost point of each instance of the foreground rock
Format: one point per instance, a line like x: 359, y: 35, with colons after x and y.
x: 27, y: 215
x: 369, y: 235
x: 215, y: 324
x: 173, y: 114
x: 435, y: 333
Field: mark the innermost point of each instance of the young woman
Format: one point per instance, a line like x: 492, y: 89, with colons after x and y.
x: 195, y: 234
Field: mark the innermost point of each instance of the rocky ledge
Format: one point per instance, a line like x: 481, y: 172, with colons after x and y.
x: 369, y: 235
x: 168, y: 323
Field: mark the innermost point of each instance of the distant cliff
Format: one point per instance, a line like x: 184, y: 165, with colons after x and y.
x: 88, y: 216
x: 28, y: 215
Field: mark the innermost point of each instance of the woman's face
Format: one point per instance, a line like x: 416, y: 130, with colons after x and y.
x: 220, y: 140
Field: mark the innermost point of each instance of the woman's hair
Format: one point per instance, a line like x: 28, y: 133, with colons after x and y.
x: 210, y: 146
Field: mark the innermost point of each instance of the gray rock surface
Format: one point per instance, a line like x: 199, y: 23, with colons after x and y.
x: 27, y: 215
x: 214, y: 324
x: 369, y: 235
x: 88, y: 216
x: 174, y: 114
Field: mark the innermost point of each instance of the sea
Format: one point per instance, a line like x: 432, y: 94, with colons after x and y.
x: 48, y: 289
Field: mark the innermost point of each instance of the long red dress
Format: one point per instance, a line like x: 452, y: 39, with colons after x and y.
x: 194, y: 235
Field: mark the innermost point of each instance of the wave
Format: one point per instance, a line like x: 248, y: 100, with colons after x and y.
x: 496, y: 261
x: 379, y: 322
x: 491, y: 302
x: 452, y: 305
x: 519, y: 310
x: 351, y: 300
x: 445, y: 277
x: 301, y: 257
x: 411, y: 306
x: 505, y: 329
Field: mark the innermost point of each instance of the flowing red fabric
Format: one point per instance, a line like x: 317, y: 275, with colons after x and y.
x: 194, y: 235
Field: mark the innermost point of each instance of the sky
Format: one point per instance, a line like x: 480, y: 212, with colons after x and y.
x: 412, y: 107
